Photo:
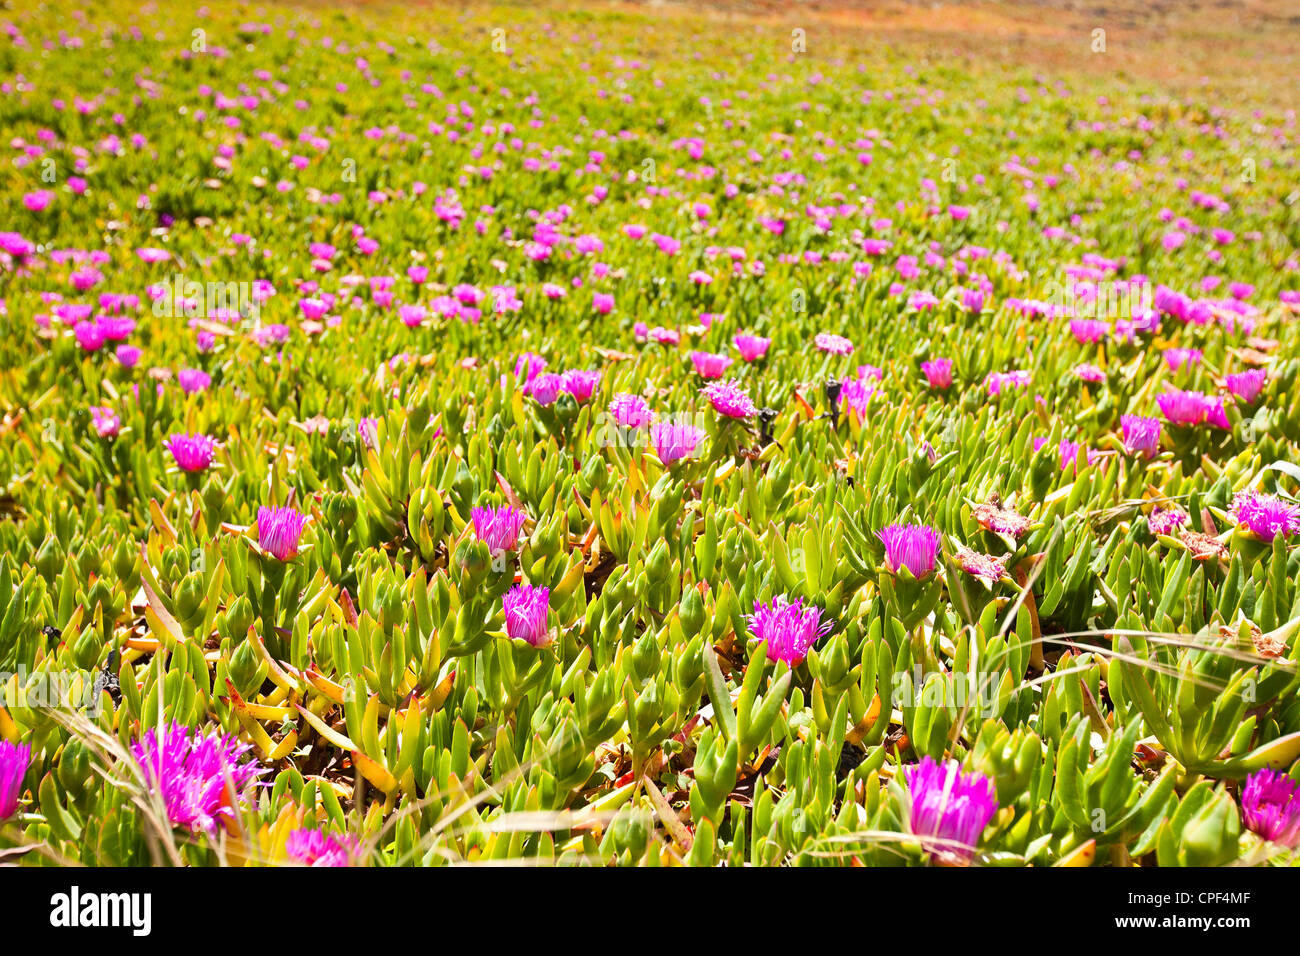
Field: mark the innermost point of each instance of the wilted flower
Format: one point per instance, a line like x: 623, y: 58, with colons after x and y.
x: 1166, y: 520
x: 911, y: 546
x: 949, y: 809
x: 278, y: 531
x: 1266, y: 516
x: 673, y: 441
x: 789, y: 629
x: 526, y: 608
x: 993, y: 517
x: 199, y: 776
x: 981, y: 565
x: 498, y: 527
x: 14, y: 760
x: 316, y: 848
x: 191, y: 452
x: 730, y: 399
x: 1141, y: 435
x: 1270, y: 805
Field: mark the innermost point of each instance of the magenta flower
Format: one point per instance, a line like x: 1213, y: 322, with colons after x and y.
x: 198, y: 776
x: 602, y: 302
x: 832, y: 343
x: 1246, y: 385
x: 191, y: 452
x: 1089, y: 373
x: 107, y: 423
x: 630, y: 411
x: 856, y: 393
x: 545, y: 387
x: 529, y: 364
x: 1141, y: 435
x: 14, y: 760
x: 1182, y: 358
x: 998, y: 381
x: 38, y: 200
x: 90, y: 335
x: 1270, y: 805
x: 580, y: 383
x: 789, y: 629
x: 674, y: 441
x: 729, y: 399
x: 710, y: 364
x: 938, y: 373
x: 1166, y: 520
x: 278, y: 531
x: 949, y: 809
x: 526, y: 609
x: 498, y: 527
x: 193, y: 380
x: 315, y: 848
x: 1266, y: 516
x: 911, y: 546
x: 751, y: 347
x: 1185, y: 408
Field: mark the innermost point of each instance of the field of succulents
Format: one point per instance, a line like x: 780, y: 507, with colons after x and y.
x: 435, y: 437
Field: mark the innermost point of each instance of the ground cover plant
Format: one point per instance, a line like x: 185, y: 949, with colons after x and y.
x: 436, y: 436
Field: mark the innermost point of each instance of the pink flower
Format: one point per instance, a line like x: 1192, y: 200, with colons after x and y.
x: 1266, y: 516
x: 580, y: 383
x: 199, y: 777
x: 938, y: 373
x: 1190, y: 408
x: 314, y: 848
x: 544, y: 388
x: 674, y: 441
x: 38, y: 200
x: 193, y: 380
x: 729, y: 399
x: 790, y: 630
x: 997, y: 381
x: 751, y: 347
x: 630, y: 411
x: 1270, y: 806
x: 1246, y: 385
x: 949, y: 809
x: 191, y: 452
x: 602, y: 302
x: 278, y: 531
x: 106, y: 421
x: 498, y: 527
x: 911, y: 546
x: 1141, y: 435
x: 1166, y: 520
x: 709, y: 364
x: 834, y: 344
x: 526, y: 611
x: 14, y: 760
